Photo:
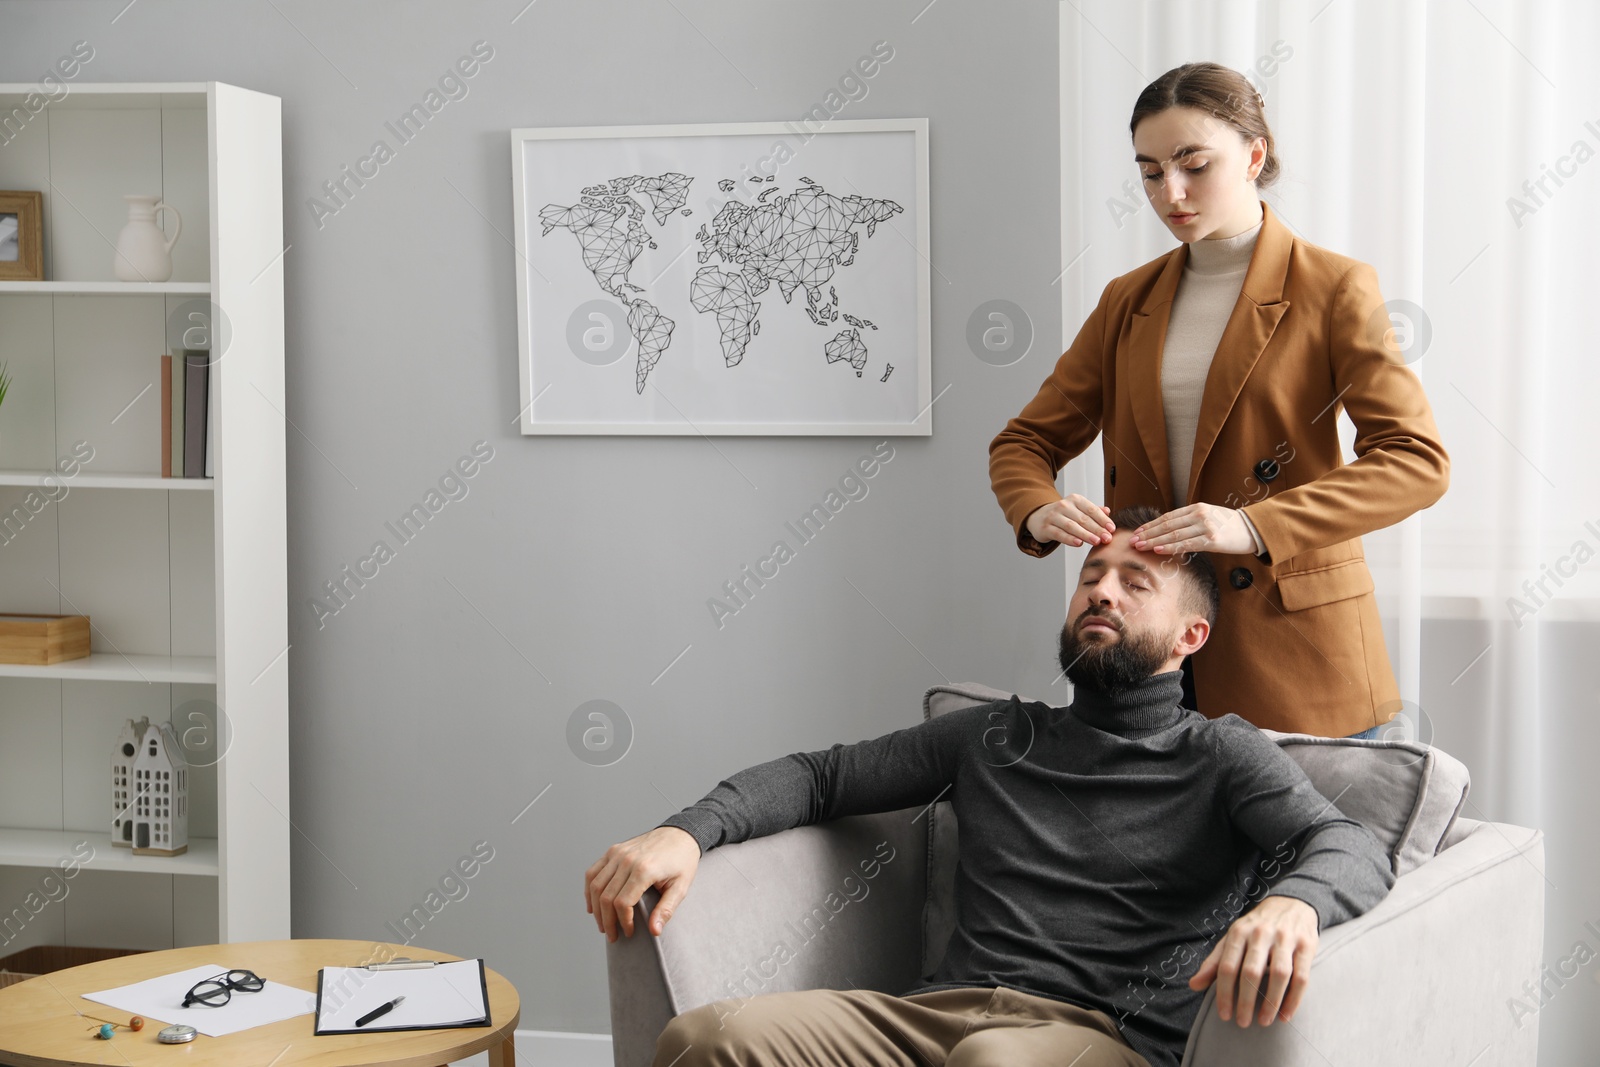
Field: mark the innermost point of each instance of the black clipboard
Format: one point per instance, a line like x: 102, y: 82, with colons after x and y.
x: 353, y: 991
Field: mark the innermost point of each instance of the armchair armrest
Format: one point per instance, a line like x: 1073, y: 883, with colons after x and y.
x: 1423, y: 978
x: 833, y: 905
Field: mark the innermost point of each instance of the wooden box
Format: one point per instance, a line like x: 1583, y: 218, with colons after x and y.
x: 40, y: 640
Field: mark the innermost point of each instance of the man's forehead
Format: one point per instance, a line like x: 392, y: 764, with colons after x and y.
x: 1129, y: 558
x: 1101, y: 558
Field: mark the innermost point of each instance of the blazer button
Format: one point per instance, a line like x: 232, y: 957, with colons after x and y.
x: 1241, y: 577
x: 1267, y: 469
x: 1113, y: 474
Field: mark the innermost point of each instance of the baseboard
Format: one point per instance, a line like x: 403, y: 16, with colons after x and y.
x: 555, y: 1048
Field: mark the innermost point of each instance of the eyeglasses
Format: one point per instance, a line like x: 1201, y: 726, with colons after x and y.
x: 217, y: 991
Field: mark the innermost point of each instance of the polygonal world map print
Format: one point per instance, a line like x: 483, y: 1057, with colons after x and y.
x: 796, y: 240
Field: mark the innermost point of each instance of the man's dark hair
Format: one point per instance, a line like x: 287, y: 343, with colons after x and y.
x: 1200, y: 575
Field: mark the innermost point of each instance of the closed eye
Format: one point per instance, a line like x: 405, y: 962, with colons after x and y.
x: 1131, y: 585
x: 1192, y: 170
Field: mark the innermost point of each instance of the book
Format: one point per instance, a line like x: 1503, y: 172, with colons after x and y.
x: 166, y: 416
x: 197, y: 367
x: 211, y: 425
x: 176, y: 425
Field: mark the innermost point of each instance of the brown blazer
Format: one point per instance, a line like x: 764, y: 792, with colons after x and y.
x: 1297, y: 644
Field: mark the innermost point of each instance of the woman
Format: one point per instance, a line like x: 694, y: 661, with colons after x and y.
x: 1214, y: 375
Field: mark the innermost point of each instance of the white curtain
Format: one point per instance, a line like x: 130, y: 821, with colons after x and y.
x: 1454, y: 145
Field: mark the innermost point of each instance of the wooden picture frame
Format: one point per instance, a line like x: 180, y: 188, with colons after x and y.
x: 28, y: 210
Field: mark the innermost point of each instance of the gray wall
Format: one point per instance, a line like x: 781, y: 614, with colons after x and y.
x: 430, y: 711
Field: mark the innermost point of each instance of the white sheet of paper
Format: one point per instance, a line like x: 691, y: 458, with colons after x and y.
x: 162, y: 998
x: 449, y: 994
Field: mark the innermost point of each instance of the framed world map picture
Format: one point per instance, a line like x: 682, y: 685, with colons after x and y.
x: 732, y: 278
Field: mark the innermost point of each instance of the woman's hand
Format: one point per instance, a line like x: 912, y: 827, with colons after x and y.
x: 1196, y: 528
x: 1071, y: 520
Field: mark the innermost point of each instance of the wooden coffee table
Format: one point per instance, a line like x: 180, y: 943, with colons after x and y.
x: 43, y: 1020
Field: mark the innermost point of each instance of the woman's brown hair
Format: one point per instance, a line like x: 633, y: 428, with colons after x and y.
x: 1218, y: 91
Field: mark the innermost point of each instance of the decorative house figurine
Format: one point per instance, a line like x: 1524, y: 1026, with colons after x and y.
x: 122, y: 754
x: 149, y: 790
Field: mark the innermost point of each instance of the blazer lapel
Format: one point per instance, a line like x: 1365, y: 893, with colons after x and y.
x: 1250, y: 326
x: 1146, y: 339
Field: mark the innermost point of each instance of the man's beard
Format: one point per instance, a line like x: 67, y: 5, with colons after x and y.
x: 1112, y: 665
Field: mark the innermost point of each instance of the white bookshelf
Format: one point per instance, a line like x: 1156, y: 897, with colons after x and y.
x: 184, y: 579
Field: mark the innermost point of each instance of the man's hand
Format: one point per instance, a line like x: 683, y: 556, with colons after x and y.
x: 1071, y: 520
x: 1274, y: 940
x: 1196, y: 528
x: 665, y: 857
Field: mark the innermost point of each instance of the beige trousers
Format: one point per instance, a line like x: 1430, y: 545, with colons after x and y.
x: 973, y: 1026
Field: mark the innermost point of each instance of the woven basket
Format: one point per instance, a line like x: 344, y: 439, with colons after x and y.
x: 42, y: 959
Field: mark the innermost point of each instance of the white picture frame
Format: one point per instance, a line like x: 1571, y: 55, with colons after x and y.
x: 661, y: 232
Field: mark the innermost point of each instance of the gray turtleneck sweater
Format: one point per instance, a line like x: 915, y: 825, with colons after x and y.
x: 1213, y: 276
x: 1104, y: 848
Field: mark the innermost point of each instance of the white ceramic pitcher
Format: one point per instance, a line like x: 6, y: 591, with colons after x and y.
x: 144, y: 253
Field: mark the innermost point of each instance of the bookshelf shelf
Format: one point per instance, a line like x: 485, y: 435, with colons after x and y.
x: 117, y: 667
x: 70, y: 288
x: 46, y: 848
x: 108, y: 480
x: 185, y: 579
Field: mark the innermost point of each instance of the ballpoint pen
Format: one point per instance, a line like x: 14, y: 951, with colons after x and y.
x: 381, y: 1009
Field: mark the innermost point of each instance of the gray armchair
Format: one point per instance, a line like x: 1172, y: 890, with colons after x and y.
x: 867, y: 902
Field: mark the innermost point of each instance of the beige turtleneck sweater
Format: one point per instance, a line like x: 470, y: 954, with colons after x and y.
x: 1207, y: 293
